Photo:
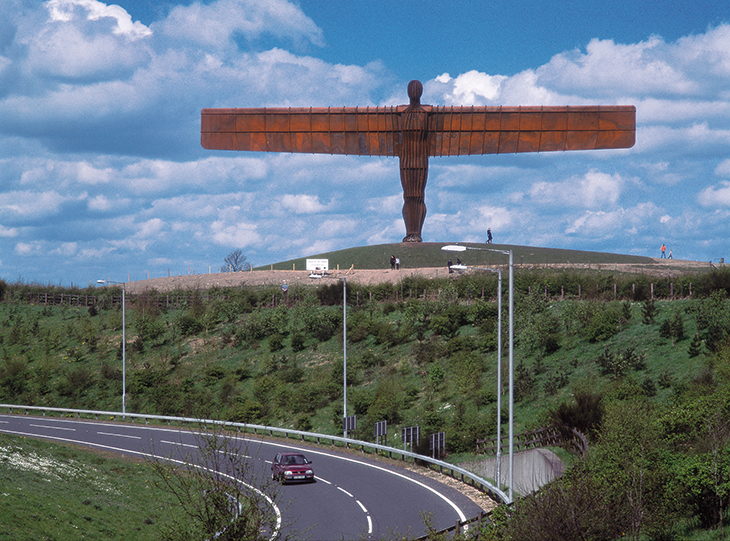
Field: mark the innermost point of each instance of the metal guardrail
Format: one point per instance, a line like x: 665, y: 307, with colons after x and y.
x: 463, y: 475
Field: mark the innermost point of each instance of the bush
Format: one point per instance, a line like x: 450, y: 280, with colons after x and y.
x: 604, y: 324
x: 298, y: 342
x: 189, y: 325
x: 276, y: 342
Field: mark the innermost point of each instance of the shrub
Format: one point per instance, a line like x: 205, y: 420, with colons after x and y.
x: 648, y: 311
x: 298, y: 342
x: 584, y: 414
x: 189, y: 325
x: 443, y: 325
x: 695, y: 347
x: 325, y: 332
x: 604, y: 324
x: 524, y: 383
x: 303, y: 423
x: 276, y: 342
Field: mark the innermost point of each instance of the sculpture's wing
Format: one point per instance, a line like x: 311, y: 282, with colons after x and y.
x: 456, y: 131
x: 325, y: 130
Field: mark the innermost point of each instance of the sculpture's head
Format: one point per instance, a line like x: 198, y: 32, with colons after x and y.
x: 415, y: 91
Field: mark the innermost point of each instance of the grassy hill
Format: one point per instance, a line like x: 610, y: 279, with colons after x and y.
x: 429, y: 254
x: 420, y: 352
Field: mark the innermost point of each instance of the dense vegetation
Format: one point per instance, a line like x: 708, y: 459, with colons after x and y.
x: 644, y: 380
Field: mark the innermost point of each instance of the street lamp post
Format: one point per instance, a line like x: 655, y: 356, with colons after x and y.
x: 459, y: 248
x: 124, y: 343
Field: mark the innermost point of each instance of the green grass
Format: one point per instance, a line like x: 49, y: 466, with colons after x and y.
x: 429, y: 254
x: 56, y: 492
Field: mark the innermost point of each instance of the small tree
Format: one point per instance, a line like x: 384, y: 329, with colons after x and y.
x: 236, y: 261
x: 218, y: 490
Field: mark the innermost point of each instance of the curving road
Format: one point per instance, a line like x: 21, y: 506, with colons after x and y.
x: 353, y: 497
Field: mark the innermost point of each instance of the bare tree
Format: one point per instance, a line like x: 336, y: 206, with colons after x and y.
x: 221, y: 494
x: 236, y: 261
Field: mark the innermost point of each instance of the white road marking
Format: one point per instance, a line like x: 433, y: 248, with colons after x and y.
x: 310, y: 451
x: 180, y: 444
x: 119, y: 435
x: 54, y: 427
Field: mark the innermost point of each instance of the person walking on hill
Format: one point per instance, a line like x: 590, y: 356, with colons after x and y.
x: 392, y: 262
x: 664, y: 251
x: 489, y: 236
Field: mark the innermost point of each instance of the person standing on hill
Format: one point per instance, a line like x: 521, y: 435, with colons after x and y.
x: 392, y: 262
x: 489, y: 236
x: 664, y: 251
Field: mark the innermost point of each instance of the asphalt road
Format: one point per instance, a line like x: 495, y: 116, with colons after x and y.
x: 353, y: 497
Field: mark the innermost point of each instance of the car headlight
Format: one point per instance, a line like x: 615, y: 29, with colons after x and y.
x: 309, y: 472
x: 287, y: 472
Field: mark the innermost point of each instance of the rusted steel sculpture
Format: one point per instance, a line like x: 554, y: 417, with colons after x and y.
x: 414, y: 132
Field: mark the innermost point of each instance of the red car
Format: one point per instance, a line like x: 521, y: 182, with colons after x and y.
x: 289, y: 467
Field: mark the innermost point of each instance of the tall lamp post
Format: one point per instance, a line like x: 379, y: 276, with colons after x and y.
x: 344, y: 356
x: 124, y: 343
x: 459, y: 248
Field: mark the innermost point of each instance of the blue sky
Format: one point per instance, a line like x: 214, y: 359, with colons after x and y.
x: 102, y: 173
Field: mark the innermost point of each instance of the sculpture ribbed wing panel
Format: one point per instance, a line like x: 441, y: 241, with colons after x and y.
x: 371, y: 131
x: 457, y: 131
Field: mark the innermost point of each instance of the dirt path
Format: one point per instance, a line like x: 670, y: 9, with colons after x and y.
x: 258, y: 278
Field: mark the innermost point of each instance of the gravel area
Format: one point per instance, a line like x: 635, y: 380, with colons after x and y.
x: 259, y: 278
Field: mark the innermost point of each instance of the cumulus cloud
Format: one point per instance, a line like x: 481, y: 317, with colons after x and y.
x: 67, y: 10
x: 592, y: 190
x: 302, y: 204
x: 715, y: 196
x: 238, y: 235
x: 601, y: 223
x: 217, y: 23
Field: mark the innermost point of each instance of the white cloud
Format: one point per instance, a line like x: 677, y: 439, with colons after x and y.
x: 723, y: 169
x: 27, y: 248
x: 216, y: 23
x: 8, y: 231
x: 302, y: 204
x: 237, y: 235
x: 66, y: 249
x: 592, y: 190
x: 66, y: 10
x: 715, y: 196
x: 25, y: 205
x: 644, y: 67
x: 150, y: 228
x: 472, y: 85
x: 612, y: 223
x: 99, y: 203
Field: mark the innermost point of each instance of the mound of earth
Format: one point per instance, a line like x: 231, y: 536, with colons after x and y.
x: 261, y: 278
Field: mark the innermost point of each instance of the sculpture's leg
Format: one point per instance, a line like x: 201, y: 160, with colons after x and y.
x: 413, y: 181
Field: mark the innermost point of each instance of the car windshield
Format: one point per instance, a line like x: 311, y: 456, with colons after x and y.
x: 295, y: 460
